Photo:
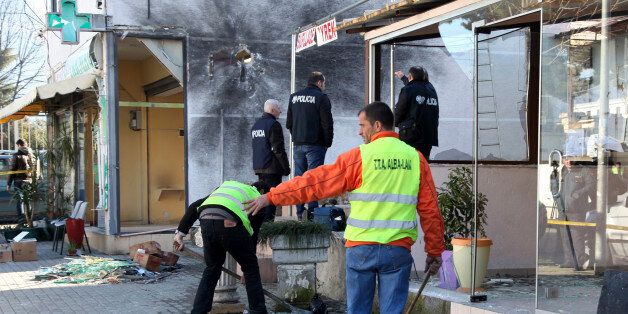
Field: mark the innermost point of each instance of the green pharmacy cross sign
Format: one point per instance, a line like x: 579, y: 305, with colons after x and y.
x: 69, y: 22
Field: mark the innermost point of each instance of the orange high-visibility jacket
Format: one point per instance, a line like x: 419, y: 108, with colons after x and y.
x: 346, y: 175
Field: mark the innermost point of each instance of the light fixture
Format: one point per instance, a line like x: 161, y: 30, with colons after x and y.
x: 135, y: 122
x: 243, y: 56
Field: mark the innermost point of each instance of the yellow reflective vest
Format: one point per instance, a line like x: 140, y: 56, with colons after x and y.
x: 383, y: 208
x: 232, y: 195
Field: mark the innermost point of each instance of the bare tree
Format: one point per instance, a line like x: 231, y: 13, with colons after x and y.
x: 22, y: 49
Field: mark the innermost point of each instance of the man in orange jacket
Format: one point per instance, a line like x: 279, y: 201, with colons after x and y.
x: 389, y: 182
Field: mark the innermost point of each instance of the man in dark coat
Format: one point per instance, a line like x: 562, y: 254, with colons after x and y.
x: 417, y: 112
x: 270, y: 161
x: 312, y: 127
x: 23, y: 161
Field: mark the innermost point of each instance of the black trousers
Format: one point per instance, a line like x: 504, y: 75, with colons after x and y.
x: 217, y: 241
x: 425, y: 149
x: 272, y: 180
x: 17, y: 185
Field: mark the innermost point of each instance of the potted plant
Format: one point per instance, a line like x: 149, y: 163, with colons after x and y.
x: 456, y: 201
x: 297, y: 247
x: 60, y: 159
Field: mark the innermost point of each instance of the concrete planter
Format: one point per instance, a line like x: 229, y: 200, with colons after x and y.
x: 296, y: 270
x: 305, y: 250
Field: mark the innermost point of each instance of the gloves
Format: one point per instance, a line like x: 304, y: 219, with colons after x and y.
x: 432, y: 264
x: 177, y: 243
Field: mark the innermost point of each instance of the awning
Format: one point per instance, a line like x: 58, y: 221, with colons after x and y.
x: 388, y: 14
x: 32, y: 103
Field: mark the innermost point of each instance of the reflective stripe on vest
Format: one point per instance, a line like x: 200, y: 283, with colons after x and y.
x: 232, y: 195
x: 381, y: 224
x: 393, y: 198
x: 383, y: 208
x: 235, y: 188
x: 231, y: 198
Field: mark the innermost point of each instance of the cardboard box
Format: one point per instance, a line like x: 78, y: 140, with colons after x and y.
x: 150, y: 247
x: 148, y: 261
x: 24, y: 251
x: 170, y: 259
x: 6, y: 255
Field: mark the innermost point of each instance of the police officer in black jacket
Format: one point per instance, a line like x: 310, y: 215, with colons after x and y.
x: 417, y: 111
x: 312, y: 127
x: 270, y: 161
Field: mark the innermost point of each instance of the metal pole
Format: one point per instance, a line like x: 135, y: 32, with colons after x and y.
x: 371, y: 65
x: 475, y: 162
x: 16, y: 131
x: 600, y: 229
x: 476, y: 134
x: 293, y: 89
x: 392, y: 76
x: 112, y: 226
x: 222, y: 146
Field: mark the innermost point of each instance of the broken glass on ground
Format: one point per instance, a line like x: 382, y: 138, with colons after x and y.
x: 101, y: 270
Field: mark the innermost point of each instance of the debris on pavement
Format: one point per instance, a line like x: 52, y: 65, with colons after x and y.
x: 150, y: 256
x: 101, y: 270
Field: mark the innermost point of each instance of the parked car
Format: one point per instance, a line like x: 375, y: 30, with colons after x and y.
x: 7, y: 205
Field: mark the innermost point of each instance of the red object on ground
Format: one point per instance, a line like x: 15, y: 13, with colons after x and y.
x: 76, y: 231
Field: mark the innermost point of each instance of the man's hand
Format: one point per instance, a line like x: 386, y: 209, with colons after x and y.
x: 432, y: 264
x: 254, y: 206
x: 178, y: 242
x: 8, y: 188
x: 399, y: 74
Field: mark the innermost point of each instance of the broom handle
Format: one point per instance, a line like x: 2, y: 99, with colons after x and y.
x: 418, y: 294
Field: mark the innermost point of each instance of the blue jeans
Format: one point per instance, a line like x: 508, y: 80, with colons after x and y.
x: 388, y: 265
x: 307, y: 157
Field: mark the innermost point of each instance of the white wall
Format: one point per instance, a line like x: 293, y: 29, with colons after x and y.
x: 511, y: 215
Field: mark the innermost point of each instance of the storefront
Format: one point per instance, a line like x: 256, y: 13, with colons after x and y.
x: 518, y: 80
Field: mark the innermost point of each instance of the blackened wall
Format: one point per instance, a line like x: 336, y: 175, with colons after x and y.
x: 221, y: 110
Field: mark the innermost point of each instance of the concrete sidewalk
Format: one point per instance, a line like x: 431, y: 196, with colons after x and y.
x: 20, y: 294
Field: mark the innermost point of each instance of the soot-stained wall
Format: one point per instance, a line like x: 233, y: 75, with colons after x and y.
x: 221, y: 110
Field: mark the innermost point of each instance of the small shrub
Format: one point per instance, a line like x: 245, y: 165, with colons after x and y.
x: 455, y: 199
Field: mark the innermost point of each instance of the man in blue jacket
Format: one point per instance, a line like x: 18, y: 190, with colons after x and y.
x: 270, y: 161
x: 312, y: 127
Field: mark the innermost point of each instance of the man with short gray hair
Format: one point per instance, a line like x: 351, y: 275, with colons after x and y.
x: 270, y: 161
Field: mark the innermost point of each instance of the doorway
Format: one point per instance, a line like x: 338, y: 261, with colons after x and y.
x: 151, y: 131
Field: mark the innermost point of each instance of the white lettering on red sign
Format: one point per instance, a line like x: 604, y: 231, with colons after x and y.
x: 326, y: 32
x: 306, y: 39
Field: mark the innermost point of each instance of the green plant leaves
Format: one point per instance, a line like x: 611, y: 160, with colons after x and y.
x: 456, y: 202
x: 292, y: 229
